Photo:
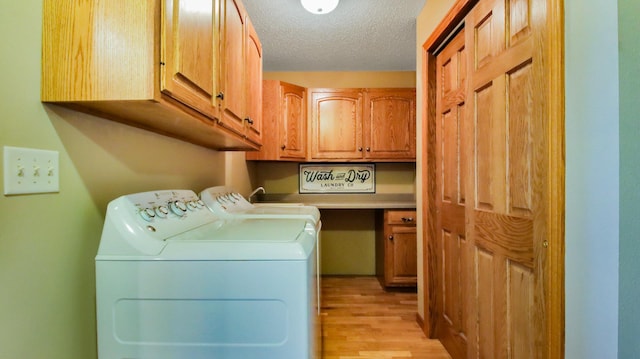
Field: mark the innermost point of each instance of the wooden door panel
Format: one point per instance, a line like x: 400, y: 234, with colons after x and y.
x: 337, y: 125
x: 405, y: 260
x: 195, y: 29
x: 506, y: 180
x: 451, y: 245
x: 253, y: 84
x: 233, y: 85
x: 389, y: 127
x: 520, y: 152
x: 188, y: 73
x: 293, y: 130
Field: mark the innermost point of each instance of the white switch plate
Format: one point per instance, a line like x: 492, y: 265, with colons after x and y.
x: 28, y: 170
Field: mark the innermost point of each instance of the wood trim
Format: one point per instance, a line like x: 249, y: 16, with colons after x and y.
x: 456, y: 14
x: 554, y: 283
x: 419, y: 320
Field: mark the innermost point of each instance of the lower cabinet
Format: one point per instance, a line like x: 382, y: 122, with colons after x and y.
x: 396, y: 248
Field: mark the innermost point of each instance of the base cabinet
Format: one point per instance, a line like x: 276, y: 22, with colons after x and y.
x: 396, y: 248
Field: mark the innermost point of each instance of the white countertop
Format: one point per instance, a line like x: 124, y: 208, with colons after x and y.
x: 344, y: 201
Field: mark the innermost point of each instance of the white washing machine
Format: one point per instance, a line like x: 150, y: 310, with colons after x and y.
x: 174, y: 281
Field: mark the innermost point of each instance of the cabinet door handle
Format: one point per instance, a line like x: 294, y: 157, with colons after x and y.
x: 249, y: 120
x: 220, y: 95
x: 283, y: 147
x: 405, y: 219
x: 391, y: 237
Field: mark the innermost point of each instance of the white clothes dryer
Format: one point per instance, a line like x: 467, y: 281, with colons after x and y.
x: 227, y: 203
x: 174, y: 281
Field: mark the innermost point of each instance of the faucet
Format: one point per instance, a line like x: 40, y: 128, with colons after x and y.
x: 255, y: 191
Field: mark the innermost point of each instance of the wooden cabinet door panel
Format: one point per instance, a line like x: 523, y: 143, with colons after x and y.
x: 390, y: 124
x: 254, y: 84
x: 293, y: 127
x: 190, y: 61
x: 401, y: 265
x: 336, y: 124
x: 232, y: 88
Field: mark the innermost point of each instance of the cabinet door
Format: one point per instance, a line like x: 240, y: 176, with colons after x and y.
x: 401, y: 264
x: 293, y: 128
x: 390, y: 124
x: 336, y: 124
x: 232, y: 87
x: 254, y: 84
x: 188, y: 74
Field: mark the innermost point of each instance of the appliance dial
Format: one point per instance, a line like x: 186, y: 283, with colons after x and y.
x: 162, y: 211
x: 199, y: 203
x: 191, y: 205
x: 178, y: 208
x: 147, y: 214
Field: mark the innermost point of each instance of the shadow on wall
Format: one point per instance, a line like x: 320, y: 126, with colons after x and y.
x: 113, y: 159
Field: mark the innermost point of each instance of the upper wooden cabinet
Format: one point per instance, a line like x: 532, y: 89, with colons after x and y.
x: 253, y: 116
x: 188, y: 61
x: 284, y: 123
x: 154, y: 64
x: 390, y: 124
x: 363, y: 124
x: 336, y: 124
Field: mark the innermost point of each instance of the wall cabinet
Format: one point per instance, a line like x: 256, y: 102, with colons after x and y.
x: 162, y: 65
x: 390, y: 124
x: 253, y: 82
x: 363, y: 124
x: 240, y: 74
x: 336, y: 124
x: 284, y: 117
x: 396, y: 248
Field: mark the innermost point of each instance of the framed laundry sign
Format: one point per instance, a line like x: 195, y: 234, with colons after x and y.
x: 337, y: 178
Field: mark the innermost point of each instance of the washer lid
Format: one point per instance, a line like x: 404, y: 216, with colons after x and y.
x: 243, y: 239
x: 281, y: 211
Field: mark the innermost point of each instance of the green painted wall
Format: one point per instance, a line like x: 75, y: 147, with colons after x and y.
x: 348, y: 236
x: 48, y: 241
x: 629, y: 312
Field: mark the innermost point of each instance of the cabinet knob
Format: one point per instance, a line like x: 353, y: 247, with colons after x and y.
x: 405, y: 219
x: 391, y: 237
x: 220, y: 95
x: 360, y: 149
x: 368, y: 149
x: 248, y: 119
x: 283, y: 147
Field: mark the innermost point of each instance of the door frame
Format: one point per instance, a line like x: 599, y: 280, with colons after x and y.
x: 553, y: 277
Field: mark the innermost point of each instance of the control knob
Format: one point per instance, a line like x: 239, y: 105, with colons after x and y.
x: 162, y: 211
x: 147, y: 214
x: 178, y: 208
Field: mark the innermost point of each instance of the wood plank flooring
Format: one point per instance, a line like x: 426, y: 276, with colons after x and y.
x: 361, y: 320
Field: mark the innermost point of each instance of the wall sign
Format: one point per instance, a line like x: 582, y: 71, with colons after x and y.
x: 341, y: 178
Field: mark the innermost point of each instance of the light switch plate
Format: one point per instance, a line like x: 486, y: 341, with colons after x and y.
x: 28, y: 170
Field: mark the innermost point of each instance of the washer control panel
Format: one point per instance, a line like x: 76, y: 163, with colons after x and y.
x: 223, y: 201
x: 161, y: 214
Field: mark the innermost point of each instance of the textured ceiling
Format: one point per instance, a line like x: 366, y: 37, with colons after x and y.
x: 359, y: 35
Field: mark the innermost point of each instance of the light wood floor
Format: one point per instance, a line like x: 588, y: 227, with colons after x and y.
x: 360, y: 320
